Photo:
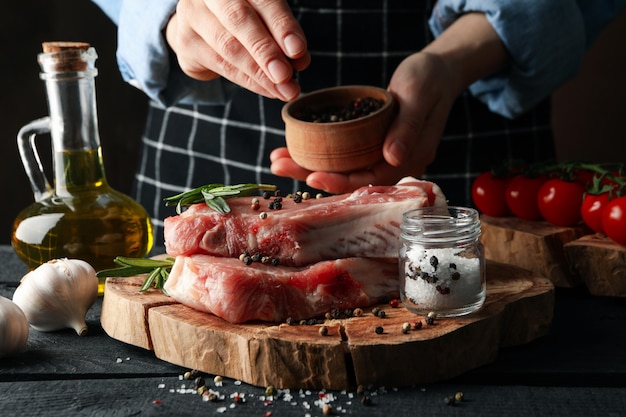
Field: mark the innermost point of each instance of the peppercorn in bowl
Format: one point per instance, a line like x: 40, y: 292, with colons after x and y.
x: 338, y: 129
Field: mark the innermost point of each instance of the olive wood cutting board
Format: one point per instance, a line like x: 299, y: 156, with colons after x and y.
x: 567, y: 256
x: 518, y: 309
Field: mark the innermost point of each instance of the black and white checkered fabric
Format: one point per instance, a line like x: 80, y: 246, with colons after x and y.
x: 351, y: 42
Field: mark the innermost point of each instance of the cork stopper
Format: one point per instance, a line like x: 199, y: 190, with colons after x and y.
x: 68, y: 55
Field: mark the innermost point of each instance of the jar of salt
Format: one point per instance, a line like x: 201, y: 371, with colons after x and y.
x: 442, y: 262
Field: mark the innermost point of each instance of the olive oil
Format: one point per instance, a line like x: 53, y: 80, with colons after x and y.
x: 88, y: 220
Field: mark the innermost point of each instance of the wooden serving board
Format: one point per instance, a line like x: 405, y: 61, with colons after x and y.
x: 599, y: 263
x: 567, y: 256
x: 534, y: 245
x: 518, y: 309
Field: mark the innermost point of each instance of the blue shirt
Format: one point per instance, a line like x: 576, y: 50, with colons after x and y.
x: 547, y: 41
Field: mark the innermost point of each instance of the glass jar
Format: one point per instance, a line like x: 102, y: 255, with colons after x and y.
x: 442, y: 262
x: 80, y: 215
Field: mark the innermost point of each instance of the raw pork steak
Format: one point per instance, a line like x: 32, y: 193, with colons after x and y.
x: 238, y: 293
x: 365, y: 223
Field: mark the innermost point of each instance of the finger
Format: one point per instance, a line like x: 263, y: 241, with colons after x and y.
x: 248, y: 27
x: 286, y: 167
x: 278, y: 153
x: 283, y: 26
x: 200, y: 60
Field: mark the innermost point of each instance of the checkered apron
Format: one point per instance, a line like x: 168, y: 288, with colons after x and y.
x: 351, y: 42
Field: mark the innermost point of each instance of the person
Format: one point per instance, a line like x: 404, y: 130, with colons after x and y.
x: 471, y: 77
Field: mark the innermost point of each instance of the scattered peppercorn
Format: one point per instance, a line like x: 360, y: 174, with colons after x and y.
x: 458, y: 396
x: 270, y: 391
x: 201, y: 389
x: 381, y: 313
x: 379, y: 330
x: 275, y: 261
x: 193, y: 374
x: 357, y: 312
x: 297, y: 198
x: 406, y: 326
x: 394, y: 303
x: 323, y: 331
x: 375, y: 311
x: 366, y: 400
x: 417, y: 325
x: 306, y: 195
x: 263, y: 215
x: 319, y: 195
x: 327, y: 409
x: 199, y: 382
x: 449, y: 400
x: 217, y: 379
x: 430, y: 318
x: 360, y: 389
x: 290, y: 321
x: 267, y: 195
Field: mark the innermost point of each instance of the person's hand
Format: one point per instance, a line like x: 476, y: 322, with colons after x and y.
x: 256, y: 44
x: 425, y: 84
x: 425, y: 89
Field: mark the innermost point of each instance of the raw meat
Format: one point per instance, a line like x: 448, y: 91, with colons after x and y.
x: 238, y: 293
x: 365, y: 223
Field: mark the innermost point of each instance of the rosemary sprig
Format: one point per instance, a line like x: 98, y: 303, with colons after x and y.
x: 214, y: 195
x: 157, y: 270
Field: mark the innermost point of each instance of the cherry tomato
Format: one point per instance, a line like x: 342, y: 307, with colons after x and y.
x: 559, y: 201
x: 614, y: 220
x: 521, y: 196
x: 591, y: 211
x: 488, y: 194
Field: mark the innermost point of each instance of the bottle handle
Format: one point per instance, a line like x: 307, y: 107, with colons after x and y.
x: 30, y: 157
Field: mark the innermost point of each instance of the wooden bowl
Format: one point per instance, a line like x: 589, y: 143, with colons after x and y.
x: 337, y: 146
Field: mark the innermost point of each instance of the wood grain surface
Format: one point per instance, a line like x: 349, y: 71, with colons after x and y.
x: 533, y: 245
x: 518, y: 309
x: 599, y: 263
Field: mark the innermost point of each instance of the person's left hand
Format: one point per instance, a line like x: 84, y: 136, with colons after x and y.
x: 425, y: 89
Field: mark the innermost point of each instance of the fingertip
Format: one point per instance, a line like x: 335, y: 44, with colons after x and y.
x: 295, y: 45
x: 395, y: 153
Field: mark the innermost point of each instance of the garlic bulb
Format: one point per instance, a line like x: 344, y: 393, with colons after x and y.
x: 13, y: 327
x: 57, y: 294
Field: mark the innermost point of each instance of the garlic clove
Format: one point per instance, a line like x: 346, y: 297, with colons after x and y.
x: 57, y: 294
x: 13, y: 328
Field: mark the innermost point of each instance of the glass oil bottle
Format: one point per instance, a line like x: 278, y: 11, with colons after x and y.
x: 81, y: 216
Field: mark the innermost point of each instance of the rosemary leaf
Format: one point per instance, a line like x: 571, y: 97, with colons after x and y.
x: 214, y: 195
x: 150, y: 279
x: 143, y: 262
x: 157, y: 270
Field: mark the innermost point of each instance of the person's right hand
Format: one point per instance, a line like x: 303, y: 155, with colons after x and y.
x: 256, y: 44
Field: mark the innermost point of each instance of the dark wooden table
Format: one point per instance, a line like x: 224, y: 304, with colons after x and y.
x: 578, y: 369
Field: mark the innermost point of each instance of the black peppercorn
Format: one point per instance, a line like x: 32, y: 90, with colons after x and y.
x: 379, y: 330
x: 199, y: 382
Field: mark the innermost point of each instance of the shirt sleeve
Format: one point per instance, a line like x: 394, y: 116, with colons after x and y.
x: 144, y: 58
x: 547, y: 41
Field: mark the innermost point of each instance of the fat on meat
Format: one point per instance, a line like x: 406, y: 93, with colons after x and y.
x: 365, y: 223
x: 238, y: 293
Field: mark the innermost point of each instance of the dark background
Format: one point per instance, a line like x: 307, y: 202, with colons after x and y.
x: 122, y: 109
x: 589, y: 112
